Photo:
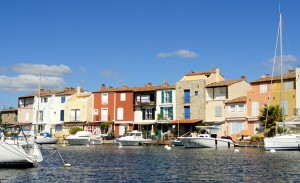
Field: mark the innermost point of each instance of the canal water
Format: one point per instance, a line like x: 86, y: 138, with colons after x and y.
x: 109, y: 163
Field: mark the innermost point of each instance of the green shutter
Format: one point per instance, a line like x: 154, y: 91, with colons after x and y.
x: 153, y: 113
x: 170, y: 96
x: 161, y: 111
x: 144, y: 115
x: 162, y: 97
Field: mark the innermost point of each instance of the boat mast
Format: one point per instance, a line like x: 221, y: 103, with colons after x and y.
x: 281, y: 71
x: 38, y: 106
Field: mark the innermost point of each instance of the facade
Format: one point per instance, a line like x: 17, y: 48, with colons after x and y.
x: 78, y: 110
x: 8, y: 117
x: 216, y: 95
x: 191, y: 98
x: 114, y: 105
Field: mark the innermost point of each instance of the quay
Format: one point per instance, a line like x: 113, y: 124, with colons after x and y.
x: 259, y: 144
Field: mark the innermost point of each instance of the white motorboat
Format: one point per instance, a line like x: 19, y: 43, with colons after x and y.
x: 84, y: 138
x: 205, y: 140
x: 45, y: 138
x: 16, y: 153
x: 133, y: 138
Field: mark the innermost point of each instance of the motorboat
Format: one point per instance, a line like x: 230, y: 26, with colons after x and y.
x: 84, y: 138
x: 19, y: 153
x: 176, y: 142
x: 205, y: 140
x: 133, y: 138
x: 45, y: 138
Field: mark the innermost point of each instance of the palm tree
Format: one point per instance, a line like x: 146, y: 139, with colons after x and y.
x: 268, y: 118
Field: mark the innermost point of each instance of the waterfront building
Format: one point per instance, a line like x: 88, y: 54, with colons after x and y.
x: 114, y: 105
x: 217, y: 94
x: 8, y: 117
x: 297, y: 83
x: 191, y: 98
x: 78, y: 110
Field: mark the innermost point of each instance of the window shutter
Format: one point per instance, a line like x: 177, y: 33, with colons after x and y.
x: 170, y: 96
x: 153, y: 113
x: 162, y: 97
x: 62, y: 114
x: 161, y: 110
x: 144, y: 114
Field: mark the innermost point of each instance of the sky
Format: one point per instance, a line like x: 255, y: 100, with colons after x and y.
x: 73, y: 43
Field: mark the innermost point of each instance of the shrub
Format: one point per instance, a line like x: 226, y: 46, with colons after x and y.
x: 74, y: 130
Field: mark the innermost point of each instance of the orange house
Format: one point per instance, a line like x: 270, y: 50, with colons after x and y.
x: 114, y: 105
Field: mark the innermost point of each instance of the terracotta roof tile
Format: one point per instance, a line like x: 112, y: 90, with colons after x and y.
x: 222, y: 83
x: 267, y: 78
x: 147, y: 87
x: 242, y: 99
x: 200, y: 73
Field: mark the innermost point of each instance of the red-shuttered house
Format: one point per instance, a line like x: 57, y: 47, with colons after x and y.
x: 114, y: 105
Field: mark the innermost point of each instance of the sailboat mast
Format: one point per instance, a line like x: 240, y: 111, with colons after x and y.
x: 38, y: 106
x: 281, y: 71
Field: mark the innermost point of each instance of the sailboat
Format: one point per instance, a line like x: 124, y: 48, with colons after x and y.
x: 43, y: 137
x: 290, y: 139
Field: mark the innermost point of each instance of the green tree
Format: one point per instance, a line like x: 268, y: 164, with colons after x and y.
x: 270, y: 115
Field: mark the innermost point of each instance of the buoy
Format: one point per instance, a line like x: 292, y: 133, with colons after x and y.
x: 236, y: 150
x: 272, y: 150
x: 168, y: 148
x: 88, y: 145
x: 120, y: 146
x: 67, y: 165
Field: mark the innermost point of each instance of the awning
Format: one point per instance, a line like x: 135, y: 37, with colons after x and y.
x: 144, y: 123
x: 184, y: 121
x: 123, y: 122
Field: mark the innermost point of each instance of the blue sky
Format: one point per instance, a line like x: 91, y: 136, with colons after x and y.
x: 133, y: 42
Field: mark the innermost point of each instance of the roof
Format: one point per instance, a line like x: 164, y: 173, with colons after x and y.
x: 223, y: 83
x: 242, y: 99
x: 184, y: 121
x: 66, y: 91
x: 147, y: 87
x: 266, y: 78
x: 207, y: 73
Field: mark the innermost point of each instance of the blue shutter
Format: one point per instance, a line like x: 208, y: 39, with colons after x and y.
x: 62, y: 114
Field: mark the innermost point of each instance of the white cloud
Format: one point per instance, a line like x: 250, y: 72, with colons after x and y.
x: 288, y: 63
x: 111, y: 74
x: 35, y: 69
x: 29, y: 82
x: 28, y: 78
x: 179, y: 53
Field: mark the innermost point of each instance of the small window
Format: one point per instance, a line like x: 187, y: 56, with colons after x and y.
x: 196, y: 93
x: 63, y: 99
x: 241, y: 107
x: 263, y: 88
x: 288, y: 85
x: 232, y: 108
x: 104, y: 98
x: 223, y: 90
x: 123, y: 97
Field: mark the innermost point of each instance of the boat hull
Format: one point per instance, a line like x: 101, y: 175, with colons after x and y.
x: 76, y: 141
x: 176, y: 143
x: 282, y: 143
x: 46, y: 140
x: 205, y: 142
x: 133, y: 142
x: 19, y: 155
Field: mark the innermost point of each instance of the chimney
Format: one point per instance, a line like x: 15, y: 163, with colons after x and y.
x: 243, y: 77
x: 78, y: 89
x: 102, y: 87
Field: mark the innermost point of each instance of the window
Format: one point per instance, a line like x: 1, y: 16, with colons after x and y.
x: 104, y: 114
x: 63, y: 99
x: 62, y: 115
x: 75, y: 115
x: 255, y: 109
x: 223, y: 90
x: 104, y: 98
x: 123, y: 97
x: 148, y: 114
x: 218, y: 111
x: 240, y: 107
x: 187, y: 112
x: 39, y: 116
x: 120, y: 114
x: 289, y: 85
x: 44, y: 100
x: 143, y: 99
x: 285, y: 107
x: 263, y: 88
x: 196, y: 93
x: 236, y: 127
x: 186, y: 96
x: 166, y: 96
x: 232, y: 108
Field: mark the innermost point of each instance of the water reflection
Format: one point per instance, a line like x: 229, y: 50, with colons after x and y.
x: 108, y: 163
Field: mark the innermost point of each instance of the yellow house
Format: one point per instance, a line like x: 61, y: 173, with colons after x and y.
x: 288, y: 88
x: 78, y: 110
